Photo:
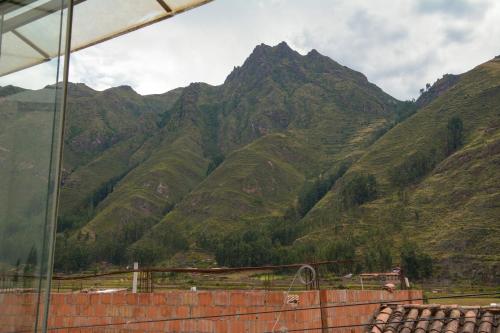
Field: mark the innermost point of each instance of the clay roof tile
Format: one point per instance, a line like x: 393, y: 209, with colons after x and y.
x: 381, y: 320
x: 454, y: 321
x: 469, y: 322
x: 395, y: 320
x: 424, y: 322
x: 435, y: 318
x: 486, y: 323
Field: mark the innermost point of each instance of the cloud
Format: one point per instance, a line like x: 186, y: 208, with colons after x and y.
x: 398, y: 45
x: 455, y: 8
x: 372, y: 29
x: 458, y: 35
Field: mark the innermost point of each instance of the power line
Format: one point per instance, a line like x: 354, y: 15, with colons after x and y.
x: 372, y: 324
x: 265, y: 312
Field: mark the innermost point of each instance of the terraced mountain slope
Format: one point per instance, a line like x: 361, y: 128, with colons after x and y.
x: 444, y: 198
x: 294, y: 157
x: 277, y: 121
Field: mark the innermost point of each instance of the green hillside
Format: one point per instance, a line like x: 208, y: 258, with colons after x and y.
x: 280, y: 120
x: 293, y: 158
x: 445, y: 200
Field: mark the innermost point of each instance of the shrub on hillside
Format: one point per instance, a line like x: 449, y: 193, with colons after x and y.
x: 413, y: 168
x: 312, y: 193
x: 358, y: 190
x: 415, y: 264
x: 250, y: 248
x: 454, y: 134
x: 419, y: 164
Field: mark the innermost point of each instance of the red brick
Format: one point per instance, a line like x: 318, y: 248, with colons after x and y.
x: 68, y: 310
x: 118, y: 299
x: 221, y: 298
x: 159, y: 299
x: 138, y: 312
x: 221, y: 326
x: 212, y: 311
x: 105, y: 298
x: 309, y: 298
x: 189, y: 298
x: 152, y: 312
x: 166, y: 311
x: 173, y: 298
x: 204, y: 298
x: 145, y: 299
x: 236, y: 326
x: 132, y: 299
x: 56, y: 299
x: 188, y: 326
x: 204, y: 326
x: 238, y: 298
x: 275, y: 298
x: 173, y: 326
x: 82, y: 299
x: 182, y: 311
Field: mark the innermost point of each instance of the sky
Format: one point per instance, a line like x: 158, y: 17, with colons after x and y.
x: 399, y: 45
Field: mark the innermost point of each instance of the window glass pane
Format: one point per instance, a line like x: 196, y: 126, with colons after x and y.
x: 29, y: 144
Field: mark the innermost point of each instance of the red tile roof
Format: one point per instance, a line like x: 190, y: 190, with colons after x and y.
x: 435, y: 318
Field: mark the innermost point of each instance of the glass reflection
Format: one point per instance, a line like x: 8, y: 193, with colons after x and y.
x: 29, y: 145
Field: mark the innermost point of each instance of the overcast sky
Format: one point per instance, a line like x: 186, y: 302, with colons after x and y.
x: 399, y: 45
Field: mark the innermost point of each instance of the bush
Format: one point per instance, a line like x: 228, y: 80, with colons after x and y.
x: 283, y: 231
x: 250, y: 248
x: 312, y: 193
x: 71, y: 255
x: 358, y: 190
x: 413, y: 168
x: 377, y: 258
x: 454, y: 134
x: 341, y: 250
x: 422, y: 162
x: 415, y: 264
x: 214, y: 163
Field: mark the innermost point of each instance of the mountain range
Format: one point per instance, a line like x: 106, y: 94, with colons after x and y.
x: 293, y: 158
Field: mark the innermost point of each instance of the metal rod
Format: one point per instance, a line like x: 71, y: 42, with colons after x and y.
x: 58, y: 166
x: 1, y: 33
x: 31, y: 44
x: 35, y: 13
x: 165, y: 6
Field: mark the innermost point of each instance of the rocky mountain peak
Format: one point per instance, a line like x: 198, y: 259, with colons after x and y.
x: 263, y: 60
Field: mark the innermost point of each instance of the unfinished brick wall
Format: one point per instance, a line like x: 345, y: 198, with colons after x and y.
x: 120, y: 308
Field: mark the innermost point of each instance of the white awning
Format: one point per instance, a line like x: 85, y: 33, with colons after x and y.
x: 31, y: 28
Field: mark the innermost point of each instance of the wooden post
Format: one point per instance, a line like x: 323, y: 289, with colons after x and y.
x: 134, y: 279
x: 323, y: 300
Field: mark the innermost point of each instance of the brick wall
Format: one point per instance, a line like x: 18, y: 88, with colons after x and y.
x: 120, y: 308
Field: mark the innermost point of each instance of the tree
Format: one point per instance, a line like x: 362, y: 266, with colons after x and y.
x: 358, y: 190
x: 422, y: 90
x: 341, y: 250
x: 415, y: 264
x: 378, y: 258
x: 413, y: 168
x: 32, y: 258
x: 427, y: 86
x: 454, y: 134
x: 250, y: 248
x: 283, y: 231
x: 312, y: 193
x: 214, y: 163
